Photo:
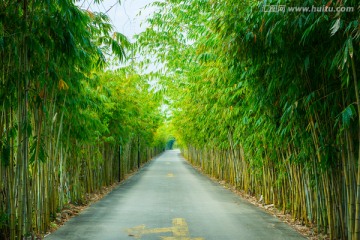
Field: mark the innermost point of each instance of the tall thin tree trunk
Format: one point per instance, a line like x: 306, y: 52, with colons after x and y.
x: 357, y: 211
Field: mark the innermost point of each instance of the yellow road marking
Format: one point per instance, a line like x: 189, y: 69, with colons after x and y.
x: 170, y: 175
x: 180, y: 238
x: 138, y: 231
x: 179, y: 230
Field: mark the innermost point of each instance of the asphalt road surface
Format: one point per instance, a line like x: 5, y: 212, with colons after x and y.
x: 169, y: 200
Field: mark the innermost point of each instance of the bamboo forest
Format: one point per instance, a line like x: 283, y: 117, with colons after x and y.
x: 265, y: 100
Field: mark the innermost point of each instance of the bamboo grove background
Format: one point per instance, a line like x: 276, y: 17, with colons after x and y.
x: 67, y: 126
x: 268, y: 101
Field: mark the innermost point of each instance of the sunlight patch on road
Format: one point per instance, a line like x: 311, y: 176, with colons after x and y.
x: 179, y: 230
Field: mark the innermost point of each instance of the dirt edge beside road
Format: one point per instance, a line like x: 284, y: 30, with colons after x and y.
x: 71, y: 210
x: 309, y: 232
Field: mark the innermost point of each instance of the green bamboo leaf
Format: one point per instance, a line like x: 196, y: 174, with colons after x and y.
x: 335, y: 27
x: 307, y: 63
x: 347, y: 115
x: 350, y: 47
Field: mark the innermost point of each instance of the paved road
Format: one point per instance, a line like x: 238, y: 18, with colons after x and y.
x: 169, y: 200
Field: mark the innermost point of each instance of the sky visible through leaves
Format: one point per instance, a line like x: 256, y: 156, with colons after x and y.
x: 128, y: 16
